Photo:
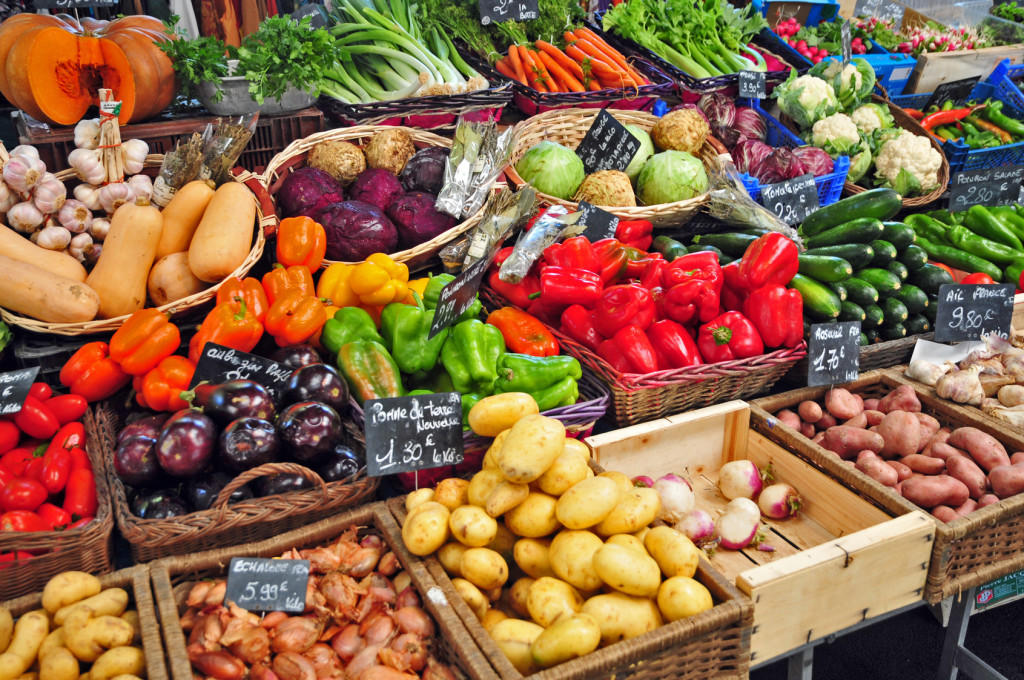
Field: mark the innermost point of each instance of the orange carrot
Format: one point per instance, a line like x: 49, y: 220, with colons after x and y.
x: 532, y: 75
x: 560, y: 57
x: 593, y: 84
x: 602, y: 66
x: 610, y: 76
x: 504, y: 69
x: 569, y: 38
x: 517, y: 65
x: 552, y: 83
x: 613, y: 54
x: 556, y: 70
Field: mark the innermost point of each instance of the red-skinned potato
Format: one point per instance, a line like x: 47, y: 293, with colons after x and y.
x: 903, y: 398
x: 945, y: 513
x: 1007, y: 480
x: 969, y: 506
x: 873, y: 417
x: 901, y: 432
x: 987, y: 500
x: 843, y: 404
x: 1017, y: 457
x: 926, y: 465
x: 860, y: 420
x: 819, y: 437
x: 940, y: 437
x: 929, y: 492
x: 826, y: 421
x: 789, y: 419
x: 871, y: 404
x: 929, y: 426
x: 943, y: 451
x: 810, y: 411
x: 866, y: 453
x: 848, y: 441
x: 982, y: 447
x: 902, y: 471
x: 875, y: 468
x: 968, y: 472
x: 807, y: 429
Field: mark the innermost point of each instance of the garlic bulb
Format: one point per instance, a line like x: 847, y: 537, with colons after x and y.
x: 88, y: 165
x: 54, y: 238
x: 926, y: 372
x: 87, y: 133
x: 113, y: 196
x: 49, y: 194
x: 7, y: 203
x: 1011, y: 395
x: 143, y: 186
x: 25, y: 217
x: 25, y: 150
x: 133, y: 153
x: 74, y: 216
x: 92, y: 253
x: 99, y: 228
x: 89, y: 195
x: 962, y: 387
x: 22, y: 172
x: 79, y: 242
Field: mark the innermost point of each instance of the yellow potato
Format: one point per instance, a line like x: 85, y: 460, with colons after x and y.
x: 55, y: 640
x: 60, y: 664
x: 99, y: 635
x: 75, y: 621
x: 622, y: 616
x: 483, y: 568
x: 578, y: 446
x: 627, y: 570
x: 567, y: 639
x: 472, y: 526
x: 682, y: 596
x: 132, y: 617
x: 567, y: 470
x: 493, y: 595
x: 623, y: 480
x: 492, y: 415
x: 504, y: 543
x: 518, y: 594
x: 551, y: 599
x: 641, y: 535
x: 590, y: 472
x: 417, y: 498
x: 572, y: 557
x: 32, y: 675
x: 515, y: 638
x: 481, y: 486
x: 67, y: 588
x: 627, y: 541
x: 6, y: 628
x: 635, y: 510
x: 505, y: 496
x: 451, y: 492
x: 674, y: 552
x: 530, y: 448
x: 110, y: 602
x: 124, y: 676
x: 29, y: 633
x: 426, y: 528
x: 534, y: 517
x: 449, y: 556
x: 119, y: 661
x: 491, y: 457
x: 531, y: 554
x: 492, y: 618
x: 587, y: 502
x: 476, y: 600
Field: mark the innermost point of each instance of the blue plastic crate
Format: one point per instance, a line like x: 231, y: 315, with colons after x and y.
x: 892, y: 70
x: 807, y: 12
x: 829, y: 186
x: 999, y: 85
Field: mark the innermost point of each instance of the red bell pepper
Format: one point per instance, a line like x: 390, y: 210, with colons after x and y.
x: 621, y: 306
x: 80, y: 494
x: 673, y: 345
x: 67, y: 407
x: 772, y: 258
x: 637, y: 261
x: 629, y: 351
x: 36, y: 420
x: 560, y: 286
x: 635, y: 234
x: 702, y: 265
x: 573, y: 253
x: 778, y: 315
x: 612, y: 257
x: 693, y: 300
x: 22, y: 520
x: 728, y: 337
x: 545, y: 311
x: 651, y: 276
x: 22, y: 494
x: 40, y: 391
x: 733, y: 293
x: 578, y: 324
x: 9, y: 436
x: 91, y: 372
x: 516, y: 293
x: 59, y: 519
x: 80, y: 459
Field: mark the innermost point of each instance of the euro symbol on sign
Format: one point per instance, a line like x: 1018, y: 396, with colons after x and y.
x: 7, y: 391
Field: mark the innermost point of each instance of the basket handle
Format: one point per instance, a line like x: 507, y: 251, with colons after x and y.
x: 269, y: 221
x: 221, y: 502
x: 882, y: 91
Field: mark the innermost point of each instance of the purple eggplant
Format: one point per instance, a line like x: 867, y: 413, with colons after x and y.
x: 200, y: 493
x: 146, y: 426
x: 236, y: 399
x: 135, y: 461
x: 186, y: 443
x: 159, y: 504
x: 318, y: 382
x: 283, y: 482
x: 339, y: 463
x: 296, y: 356
x: 246, y: 443
x: 309, y: 429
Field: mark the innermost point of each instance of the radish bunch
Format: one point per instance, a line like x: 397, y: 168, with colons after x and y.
x: 787, y: 28
x: 928, y: 39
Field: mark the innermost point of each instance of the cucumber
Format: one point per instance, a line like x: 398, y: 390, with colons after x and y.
x: 825, y: 268
x: 885, y: 253
x: 849, y: 311
x: 669, y: 247
x: 839, y: 289
x: 899, y: 269
x: 880, y: 204
x: 895, y: 312
x: 873, y: 316
x: 732, y: 244
x: 894, y: 332
x: 864, y: 230
x: 886, y: 283
x: 916, y: 324
x: 857, y: 254
x: 913, y: 257
x: 860, y: 292
x: 864, y: 339
x: 873, y: 335
x: 913, y: 298
x: 929, y: 277
x: 696, y: 248
x: 898, y: 234
x: 819, y: 301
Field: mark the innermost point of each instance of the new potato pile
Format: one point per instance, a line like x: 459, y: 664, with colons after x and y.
x: 591, y: 571
x: 82, y: 630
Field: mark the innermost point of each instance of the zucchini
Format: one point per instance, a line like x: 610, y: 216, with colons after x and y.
x: 913, y: 298
x: 932, y: 310
x: 880, y: 204
x: 732, y: 244
x: 849, y: 311
x: 929, y: 277
x: 899, y: 269
x: 916, y: 324
x: 886, y: 283
x: 669, y: 247
x: 825, y: 268
x: 873, y: 335
x: 839, y: 289
x: 696, y: 248
x: 863, y: 339
x: 819, y: 301
x: 895, y: 312
x: 898, y: 234
x: 864, y: 230
x: 913, y: 257
x: 873, y: 316
x: 860, y: 292
x: 885, y: 253
x: 857, y: 254
x: 894, y: 332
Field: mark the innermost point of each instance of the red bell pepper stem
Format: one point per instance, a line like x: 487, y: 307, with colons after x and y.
x: 728, y: 337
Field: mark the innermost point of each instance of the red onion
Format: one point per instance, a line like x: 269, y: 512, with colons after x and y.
x: 414, y: 620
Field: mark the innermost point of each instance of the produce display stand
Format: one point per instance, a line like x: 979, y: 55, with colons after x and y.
x: 839, y: 542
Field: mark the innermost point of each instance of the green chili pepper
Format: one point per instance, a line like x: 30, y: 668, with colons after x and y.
x: 1010, y: 219
x: 968, y: 241
x: 959, y: 259
x: 929, y: 228
x: 993, y: 112
x: 983, y: 223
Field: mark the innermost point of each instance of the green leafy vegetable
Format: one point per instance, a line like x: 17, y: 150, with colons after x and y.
x: 5, y: 335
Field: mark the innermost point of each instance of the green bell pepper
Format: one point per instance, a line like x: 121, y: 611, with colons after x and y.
x: 369, y: 370
x: 530, y: 374
x: 406, y: 331
x: 436, y: 380
x: 468, y: 402
x: 470, y: 355
x: 565, y: 392
x: 348, y: 325
x: 432, y: 293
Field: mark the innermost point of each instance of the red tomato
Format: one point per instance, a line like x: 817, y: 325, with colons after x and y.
x: 16, y: 460
x: 40, y: 391
x: 58, y: 518
x: 22, y: 494
x: 67, y: 408
x: 978, y: 277
x: 22, y: 520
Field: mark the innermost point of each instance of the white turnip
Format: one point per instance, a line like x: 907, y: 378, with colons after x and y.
x: 779, y: 501
x: 677, y: 498
x: 739, y: 524
x: 739, y: 479
x: 643, y: 481
x: 698, y: 527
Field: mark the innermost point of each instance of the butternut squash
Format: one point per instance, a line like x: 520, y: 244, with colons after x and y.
x: 170, y: 279
x: 128, y: 252
x: 224, y: 236
x: 182, y: 216
x: 33, y: 291
x: 16, y: 246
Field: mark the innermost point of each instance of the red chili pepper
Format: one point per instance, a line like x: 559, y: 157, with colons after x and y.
x: 36, y: 420
x: 9, y: 436
x: 34, y: 470
x: 728, y: 337
x: 59, y: 519
x: 946, y: 117
x: 80, y: 459
x: 629, y: 351
x: 78, y: 524
x: 772, y: 258
x: 778, y: 315
x: 674, y: 346
x: 17, y: 460
x: 22, y: 520
x: 80, y: 494
x: 22, y: 494
x: 621, y: 306
x: 578, y: 324
x: 561, y: 286
x: 40, y: 391
x: 67, y: 408
x: 635, y: 233
x: 56, y: 469
x: 978, y: 277
x: 573, y: 253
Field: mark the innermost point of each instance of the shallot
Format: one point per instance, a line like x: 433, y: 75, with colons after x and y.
x: 739, y: 479
x: 779, y: 501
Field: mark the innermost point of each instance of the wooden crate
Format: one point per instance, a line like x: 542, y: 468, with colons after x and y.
x: 936, y: 68
x: 838, y: 544
x: 969, y: 552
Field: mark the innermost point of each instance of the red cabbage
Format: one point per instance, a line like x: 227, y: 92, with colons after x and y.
x: 376, y: 186
x: 425, y: 170
x: 416, y: 219
x: 749, y: 123
x: 817, y: 161
x: 356, y: 230
x: 778, y: 166
x: 748, y: 153
x: 691, y: 105
x: 728, y: 136
x: 719, y: 109
x: 301, y: 191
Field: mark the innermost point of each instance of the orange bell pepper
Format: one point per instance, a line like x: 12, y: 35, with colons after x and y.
x: 145, y: 339
x: 301, y: 241
x: 230, y: 324
x: 91, y: 373
x: 295, y: 317
x: 161, y: 388
x: 523, y: 333
x: 250, y: 290
x: 280, y: 279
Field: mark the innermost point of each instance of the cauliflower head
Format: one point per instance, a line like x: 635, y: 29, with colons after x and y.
x: 837, y: 134
x: 851, y: 83
x: 908, y: 164
x: 806, y: 99
x: 871, y: 117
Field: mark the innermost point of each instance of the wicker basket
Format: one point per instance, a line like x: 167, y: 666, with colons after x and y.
x: 712, y: 644
x: 568, y: 127
x: 136, y: 581
x: 86, y: 549
x: 264, y: 218
x: 173, y: 579
x: 973, y: 550
x: 294, y: 156
x: 223, y: 524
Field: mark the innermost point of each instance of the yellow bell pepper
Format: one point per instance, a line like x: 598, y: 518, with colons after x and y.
x: 379, y: 280
x: 334, y: 285
x: 418, y: 286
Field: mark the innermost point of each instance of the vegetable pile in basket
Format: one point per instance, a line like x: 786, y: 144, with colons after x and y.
x: 978, y: 125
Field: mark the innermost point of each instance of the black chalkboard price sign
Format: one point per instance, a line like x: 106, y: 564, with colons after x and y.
x: 793, y: 200
x: 601, y: 224
x: 957, y: 91
x: 833, y: 353
x: 990, y: 186
x: 258, y: 584
x: 497, y: 11
x: 72, y: 4
x: 883, y: 10
x: 966, y: 311
x: 14, y: 387
x: 458, y: 295
x: 753, y: 85
x: 608, y: 145
x: 405, y: 434
x: 220, y: 364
